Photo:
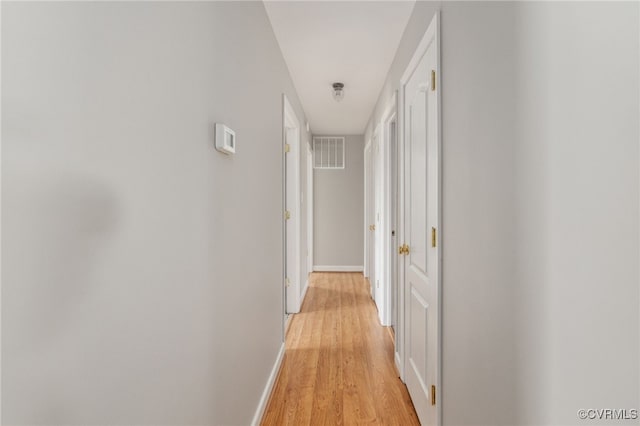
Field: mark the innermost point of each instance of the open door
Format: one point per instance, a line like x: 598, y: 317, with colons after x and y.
x: 420, y: 253
x: 369, y: 207
x: 391, y: 214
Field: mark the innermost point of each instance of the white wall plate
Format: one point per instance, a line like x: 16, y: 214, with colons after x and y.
x: 225, y: 139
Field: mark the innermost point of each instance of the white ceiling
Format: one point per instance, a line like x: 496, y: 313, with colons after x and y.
x: 353, y: 42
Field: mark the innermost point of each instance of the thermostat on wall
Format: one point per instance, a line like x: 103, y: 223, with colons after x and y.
x: 225, y: 139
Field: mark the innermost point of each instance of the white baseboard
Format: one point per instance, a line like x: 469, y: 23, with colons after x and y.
x: 287, y: 324
x: 399, y: 365
x: 262, y: 405
x: 304, y: 293
x: 340, y: 268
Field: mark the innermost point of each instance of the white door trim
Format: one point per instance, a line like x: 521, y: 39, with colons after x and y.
x: 380, y: 237
x: 309, y: 208
x: 291, y: 135
x: 388, y: 251
x: 367, y: 242
x: 400, y: 343
x: 378, y: 273
x: 432, y: 35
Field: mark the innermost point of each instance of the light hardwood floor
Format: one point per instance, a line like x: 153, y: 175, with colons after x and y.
x: 338, y: 367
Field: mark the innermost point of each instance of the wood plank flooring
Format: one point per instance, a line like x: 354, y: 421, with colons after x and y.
x: 338, y: 367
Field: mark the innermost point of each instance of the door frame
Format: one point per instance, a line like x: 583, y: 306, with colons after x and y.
x: 369, y: 266
x: 377, y: 175
x: 365, y: 214
x: 291, y: 135
x: 388, y: 250
x: 381, y: 240
x: 432, y: 35
x: 309, y: 208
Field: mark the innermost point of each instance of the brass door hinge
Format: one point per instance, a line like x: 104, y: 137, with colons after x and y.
x: 287, y: 214
x: 403, y: 249
x: 434, y: 237
x: 287, y: 147
x: 433, y: 394
x: 287, y: 282
x: 433, y: 80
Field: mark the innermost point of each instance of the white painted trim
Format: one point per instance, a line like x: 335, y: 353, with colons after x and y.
x: 283, y: 275
x: 338, y: 268
x: 390, y: 114
x: 367, y: 166
x: 391, y: 107
x: 1, y: 238
x: 399, y: 365
x: 287, y: 324
x: 379, y: 281
x: 304, y: 293
x: 400, y: 344
x: 310, y: 207
x: 371, y: 241
x: 291, y: 123
x: 264, y: 399
x: 435, y: 23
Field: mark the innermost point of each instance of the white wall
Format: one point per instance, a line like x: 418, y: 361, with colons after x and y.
x: 130, y: 294
x: 478, y: 214
x: 540, y: 209
x: 577, y: 209
x: 338, y: 209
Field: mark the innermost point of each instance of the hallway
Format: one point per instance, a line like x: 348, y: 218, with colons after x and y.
x: 338, y: 366
x: 212, y: 211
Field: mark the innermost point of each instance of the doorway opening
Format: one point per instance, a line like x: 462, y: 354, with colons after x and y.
x: 381, y: 184
x: 390, y: 193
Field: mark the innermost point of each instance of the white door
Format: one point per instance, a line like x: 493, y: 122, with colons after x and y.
x: 369, y: 215
x: 290, y: 231
x: 378, y: 194
x: 292, y: 252
x: 309, y: 209
x: 393, y: 212
x: 421, y: 219
x: 367, y: 242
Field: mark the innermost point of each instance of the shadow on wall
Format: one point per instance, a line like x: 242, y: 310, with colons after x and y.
x: 57, y: 229
x: 53, y: 253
